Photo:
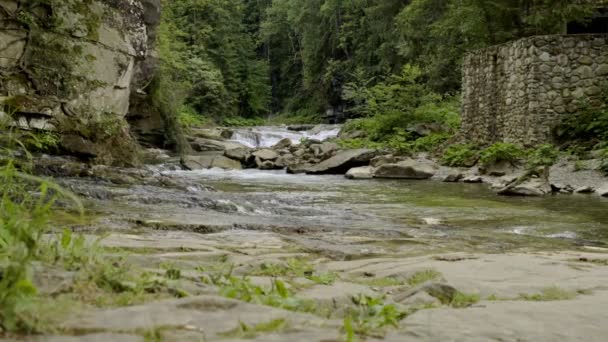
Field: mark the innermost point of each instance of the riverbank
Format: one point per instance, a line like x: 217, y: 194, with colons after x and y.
x: 266, y: 256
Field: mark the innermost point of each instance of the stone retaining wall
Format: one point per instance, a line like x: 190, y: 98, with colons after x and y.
x: 519, y: 91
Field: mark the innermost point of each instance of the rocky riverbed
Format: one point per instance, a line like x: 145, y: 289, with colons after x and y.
x: 263, y: 255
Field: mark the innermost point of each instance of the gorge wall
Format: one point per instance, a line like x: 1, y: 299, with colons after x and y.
x: 74, y: 66
x: 519, y: 91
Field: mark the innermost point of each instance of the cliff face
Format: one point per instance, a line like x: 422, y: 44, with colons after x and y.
x: 73, y: 66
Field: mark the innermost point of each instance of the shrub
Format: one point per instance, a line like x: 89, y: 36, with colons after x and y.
x: 586, y: 128
x: 501, y: 152
x: 189, y: 118
x: 544, y: 155
x: 242, y: 122
x: 461, y: 155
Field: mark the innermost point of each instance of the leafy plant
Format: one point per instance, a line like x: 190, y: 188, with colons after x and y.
x: 421, y: 277
x: 501, y: 152
x: 461, y: 155
x: 463, y: 300
x: 544, y: 155
x: 370, y: 316
x: 549, y: 294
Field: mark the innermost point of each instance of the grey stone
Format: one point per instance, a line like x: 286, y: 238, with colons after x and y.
x: 282, y: 144
x: 363, y: 172
x: 266, y: 154
x: 407, y: 169
x: 473, y: 179
x: 338, y: 164
x: 453, y: 177
x: 240, y: 153
x: 530, y: 187
x: 585, y: 190
x: 603, y: 190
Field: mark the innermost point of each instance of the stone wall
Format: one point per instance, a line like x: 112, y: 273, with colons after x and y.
x: 518, y: 92
x: 71, y: 64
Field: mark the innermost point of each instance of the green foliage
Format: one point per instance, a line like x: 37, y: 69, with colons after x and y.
x: 370, y: 316
x: 544, y: 155
x: 188, y: 118
x: 604, y: 161
x: 586, y: 128
x: 24, y: 218
x: 549, y: 294
x: 421, y: 277
x: 460, y: 155
x: 242, y: 122
x: 501, y: 152
x: 464, y: 300
x: 252, y: 331
x: 295, y: 268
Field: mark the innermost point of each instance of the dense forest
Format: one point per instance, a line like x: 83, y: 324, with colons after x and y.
x: 226, y: 59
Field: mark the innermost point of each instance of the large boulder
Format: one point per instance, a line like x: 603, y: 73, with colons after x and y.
x: 239, y: 153
x: 324, y: 150
x: 282, y: 144
x: 209, y: 161
x: 265, y: 154
x: 363, y: 172
x: 338, y: 164
x: 207, y: 145
x: 407, y: 169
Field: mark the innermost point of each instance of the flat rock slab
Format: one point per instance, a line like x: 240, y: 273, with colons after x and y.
x: 582, y: 319
x: 342, y: 162
x: 504, y: 275
x: 209, y: 315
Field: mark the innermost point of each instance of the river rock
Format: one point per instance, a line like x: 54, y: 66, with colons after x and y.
x: 79, y: 146
x: 407, y: 169
x: 324, y: 150
x: 283, y: 144
x: 266, y: 154
x: 384, y: 159
x: 217, y: 133
x: 207, y: 145
x: 473, y: 179
x: 585, y: 190
x: 532, y: 184
x: 363, y: 172
x: 338, y: 164
x: 209, y: 161
x: 453, y: 177
x: 240, y: 153
x: 603, y: 191
x: 266, y: 165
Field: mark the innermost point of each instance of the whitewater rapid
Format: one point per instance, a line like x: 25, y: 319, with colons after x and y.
x: 268, y: 136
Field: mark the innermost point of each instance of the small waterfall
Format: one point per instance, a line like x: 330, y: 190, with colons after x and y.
x: 266, y: 136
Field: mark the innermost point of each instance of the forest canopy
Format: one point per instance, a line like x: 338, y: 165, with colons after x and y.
x: 251, y: 58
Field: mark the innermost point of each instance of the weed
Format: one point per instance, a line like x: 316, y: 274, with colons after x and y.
x: 252, y: 331
x: 549, y: 294
x: 501, y: 152
x: 463, y: 300
x: 543, y: 155
x: 295, y: 268
x: 462, y: 155
x: 382, y: 282
x: 421, y: 277
x: 370, y: 316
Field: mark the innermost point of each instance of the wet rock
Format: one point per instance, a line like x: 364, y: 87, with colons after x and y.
x: 284, y: 143
x: 561, y: 188
x: 266, y: 165
x: 285, y: 160
x: 340, y: 163
x: 453, y: 177
x: 473, y: 179
x: 208, y: 161
x: 407, y: 169
x: 265, y: 154
x: 363, y: 172
x: 207, y: 145
x: 240, y: 153
x: 218, y: 133
x: 155, y: 156
x: 603, y: 191
x: 384, y: 159
x: 534, y: 183
x: 324, y: 150
x: 499, y: 169
x: 585, y: 190
x: 300, y: 128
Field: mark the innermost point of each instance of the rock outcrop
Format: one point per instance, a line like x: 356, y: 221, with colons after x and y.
x: 338, y: 164
x: 73, y: 66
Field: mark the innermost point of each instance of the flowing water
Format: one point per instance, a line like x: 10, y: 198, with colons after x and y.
x: 267, y: 136
x: 408, y: 217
